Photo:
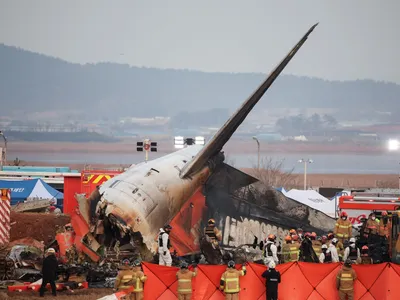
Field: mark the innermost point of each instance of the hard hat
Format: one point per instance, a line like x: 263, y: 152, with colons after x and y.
x: 295, y: 237
x: 324, y: 238
x: 211, y: 221
x: 384, y: 213
x: 184, y: 265
x: 231, y: 264
x: 271, y: 265
x: 334, y: 240
x: 307, y: 234
x: 364, y: 247
x: 51, y: 250
x: 288, y: 238
x: 352, y: 240
x: 126, y: 262
x: 272, y: 237
x: 324, y: 246
x: 348, y: 262
x: 299, y: 230
x: 343, y: 214
x: 167, y: 227
x: 330, y: 235
x: 313, y: 234
x: 292, y: 231
x: 137, y: 263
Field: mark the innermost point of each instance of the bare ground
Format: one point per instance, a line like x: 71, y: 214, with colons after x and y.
x: 87, y: 294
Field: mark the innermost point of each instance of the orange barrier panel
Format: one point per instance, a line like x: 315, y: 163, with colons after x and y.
x: 299, y: 281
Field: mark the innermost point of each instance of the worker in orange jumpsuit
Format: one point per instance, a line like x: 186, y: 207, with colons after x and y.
x: 229, y: 282
x: 316, y: 245
x: 185, y: 276
x: 290, y: 250
x: 343, y: 228
x: 345, y: 281
x: 213, y: 233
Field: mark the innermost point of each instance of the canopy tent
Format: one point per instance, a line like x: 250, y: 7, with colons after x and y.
x: 33, y: 189
x: 314, y: 200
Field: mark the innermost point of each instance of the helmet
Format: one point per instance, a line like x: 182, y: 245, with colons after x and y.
x: 126, y: 262
x: 348, y: 262
x: 272, y: 237
x: 231, y: 264
x: 137, y: 263
x: 364, y: 247
x: 307, y: 234
x: 343, y: 214
x: 271, y: 265
x: 211, y: 221
x: 335, y: 240
x: 288, y: 238
x: 168, y: 227
x: 384, y: 213
x: 51, y: 250
x: 299, y: 230
x: 184, y: 265
x: 324, y: 246
x: 313, y: 234
x: 292, y: 231
x: 352, y: 240
x: 295, y: 237
x: 324, y: 238
x: 330, y: 235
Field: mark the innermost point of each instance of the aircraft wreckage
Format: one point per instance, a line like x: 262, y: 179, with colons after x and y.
x: 185, y: 188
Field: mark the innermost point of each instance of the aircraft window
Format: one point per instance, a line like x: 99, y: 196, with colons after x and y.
x: 114, y: 183
x: 135, y: 190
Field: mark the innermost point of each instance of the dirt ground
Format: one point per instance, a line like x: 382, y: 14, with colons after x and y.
x: 89, y: 294
x: 44, y: 229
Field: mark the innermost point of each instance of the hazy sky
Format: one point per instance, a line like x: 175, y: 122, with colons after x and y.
x: 355, y: 39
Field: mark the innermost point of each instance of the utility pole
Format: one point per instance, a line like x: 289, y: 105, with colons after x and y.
x: 305, y: 161
x: 147, y: 146
x: 3, y: 152
x: 258, y: 152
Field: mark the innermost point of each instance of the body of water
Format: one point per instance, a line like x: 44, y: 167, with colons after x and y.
x: 322, y: 163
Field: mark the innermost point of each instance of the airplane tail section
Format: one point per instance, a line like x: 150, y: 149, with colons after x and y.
x: 218, y: 141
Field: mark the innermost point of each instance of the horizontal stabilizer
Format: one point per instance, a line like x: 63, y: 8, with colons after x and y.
x: 215, y: 145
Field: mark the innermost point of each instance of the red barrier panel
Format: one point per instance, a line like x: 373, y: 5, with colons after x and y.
x: 299, y: 281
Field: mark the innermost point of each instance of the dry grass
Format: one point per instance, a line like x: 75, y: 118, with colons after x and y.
x: 87, y: 294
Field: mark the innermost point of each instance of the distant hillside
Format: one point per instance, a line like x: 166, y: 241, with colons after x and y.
x: 78, y: 137
x: 33, y: 82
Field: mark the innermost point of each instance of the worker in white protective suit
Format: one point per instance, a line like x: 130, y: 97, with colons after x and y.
x: 352, y: 252
x: 332, y: 249
x: 270, y: 250
x: 164, y: 245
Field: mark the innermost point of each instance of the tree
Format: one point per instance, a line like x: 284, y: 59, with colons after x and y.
x: 272, y: 174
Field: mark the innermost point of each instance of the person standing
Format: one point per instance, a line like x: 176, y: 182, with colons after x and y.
x: 333, y: 250
x: 164, y: 245
x: 270, y: 250
x: 343, y: 228
x: 229, y: 282
x: 272, y: 280
x: 49, y: 272
x: 345, y: 281
x: 138, y: 280
x: 352, y: 252
x: 185, y: 276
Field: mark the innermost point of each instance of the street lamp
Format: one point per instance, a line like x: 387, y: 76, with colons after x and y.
x: 3, y: 151
x: 258, y: 152
x: 305, y: 161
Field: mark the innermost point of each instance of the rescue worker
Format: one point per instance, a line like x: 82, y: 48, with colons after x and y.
x: 270, y: 250
x: 365, y: 258
x: 326, y: 255
x: 124, y: 280
x: 316, y: 245
x: 164, y: 245
x: 324, y: 240
x: 372, y: 226
x: 352, y: 252
x: 292, y: 232
x: 345, y: 281
x: 343, y: 228
x: 385, y: 225
x: 184, y: 276
x: 300, y: 234
x: 307, y: 253
x: 49, y: 272
x: 340, y: 249
x: 272, y: 280
x: 138, y: 279
x: 290, y: 251
x: 333, y: 250
x: 229, y: 282
x: 213, y: 233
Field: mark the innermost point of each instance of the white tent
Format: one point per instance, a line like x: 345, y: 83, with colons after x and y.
x: 314, y: 200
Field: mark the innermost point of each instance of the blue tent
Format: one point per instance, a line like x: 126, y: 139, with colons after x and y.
x: 33, y: 189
